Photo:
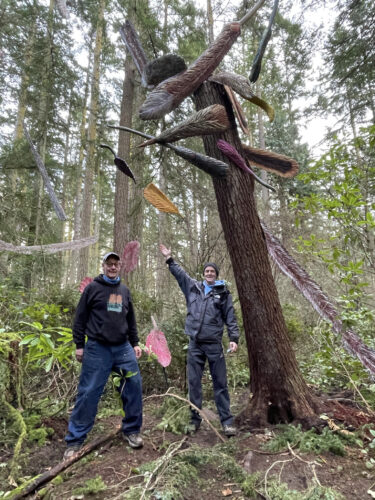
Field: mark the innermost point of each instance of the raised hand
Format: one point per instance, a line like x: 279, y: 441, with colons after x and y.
x: 165, y: 251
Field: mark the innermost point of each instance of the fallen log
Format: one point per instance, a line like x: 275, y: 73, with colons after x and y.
x: 50, y: 474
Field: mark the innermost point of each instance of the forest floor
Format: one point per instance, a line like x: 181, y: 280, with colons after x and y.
x: 113, y: 470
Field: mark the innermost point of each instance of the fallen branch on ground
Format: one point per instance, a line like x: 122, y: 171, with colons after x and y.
x: 48, y: 475
x: 193, y: 406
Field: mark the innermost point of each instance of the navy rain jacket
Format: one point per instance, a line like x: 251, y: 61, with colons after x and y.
x: 206, y: 314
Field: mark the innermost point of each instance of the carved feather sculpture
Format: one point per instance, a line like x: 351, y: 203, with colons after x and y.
x: 43, y: 172
x: 317, y: 298
x: 120, y: 163
x: 170, y: 93
x: 160, y: 201
x: 273, y: 162
x: 157, y: 343
x: 133, y: 44
x: 208, y: 164
x: 204, y: 122
x: 257, y: 63
x: 51, y: 248
x: 241, y: 85
x: 84, y: 283
x: 162, y: 68
x: 130, y: 255
x: 237, y: 159
x: 238, y: 111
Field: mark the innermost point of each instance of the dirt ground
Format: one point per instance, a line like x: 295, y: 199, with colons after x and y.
x: 117, y: 464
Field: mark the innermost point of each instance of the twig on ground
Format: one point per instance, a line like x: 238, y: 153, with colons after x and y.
x: 172, y: 449
x: 193, y: 406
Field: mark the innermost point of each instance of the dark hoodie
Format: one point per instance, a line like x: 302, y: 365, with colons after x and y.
x: 105, y: 313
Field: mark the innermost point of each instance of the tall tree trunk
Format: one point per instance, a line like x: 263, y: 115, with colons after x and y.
x: 279, y: 391
x: 120, y: 228
x: 86, y: 223
x: 74, y: 260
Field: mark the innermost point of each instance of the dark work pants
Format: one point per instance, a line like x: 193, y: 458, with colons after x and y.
x: 98, y: 362
x: 197, y: 356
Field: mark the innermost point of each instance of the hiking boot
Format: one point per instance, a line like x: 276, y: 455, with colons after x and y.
x: 229, y: 430
x: 134, y: 440
x: 71, y: 451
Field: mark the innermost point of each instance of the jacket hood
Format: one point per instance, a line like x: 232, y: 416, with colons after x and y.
x: 101, y: 280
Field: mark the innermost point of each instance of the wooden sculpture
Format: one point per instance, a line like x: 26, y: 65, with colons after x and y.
x: 171, y: 92
x: 273, y: 162
x: 237, y: 159
x: 206, y: 121
x: 241, y: 85
x: 212, y: 166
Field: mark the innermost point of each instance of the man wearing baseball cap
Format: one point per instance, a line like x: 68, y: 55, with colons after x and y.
x: 105, y: 315
x: 209, y: 308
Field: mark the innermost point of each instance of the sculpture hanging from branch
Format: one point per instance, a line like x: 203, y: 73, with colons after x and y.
x: 51, y: 248
x: 318, y: 299
x: 47, y: 182
x: 130, y: 256
x: 160, y: 201
x: 120, y: 163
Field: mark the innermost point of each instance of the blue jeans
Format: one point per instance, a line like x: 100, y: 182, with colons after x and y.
x: 98, y: 362
x: 198, y: 353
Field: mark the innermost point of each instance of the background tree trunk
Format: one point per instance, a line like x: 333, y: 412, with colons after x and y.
x: 279, y: 392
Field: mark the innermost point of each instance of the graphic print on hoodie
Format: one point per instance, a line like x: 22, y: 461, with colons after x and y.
x: 114, y: 303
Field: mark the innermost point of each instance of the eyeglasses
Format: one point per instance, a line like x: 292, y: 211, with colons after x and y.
x: 112, y: 264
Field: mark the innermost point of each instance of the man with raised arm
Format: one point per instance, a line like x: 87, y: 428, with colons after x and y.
x: 209, y: 308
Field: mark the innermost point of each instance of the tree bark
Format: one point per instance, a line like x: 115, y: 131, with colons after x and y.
x: 279, y: 392
x: 86, y: 219
x: 121, y: 223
